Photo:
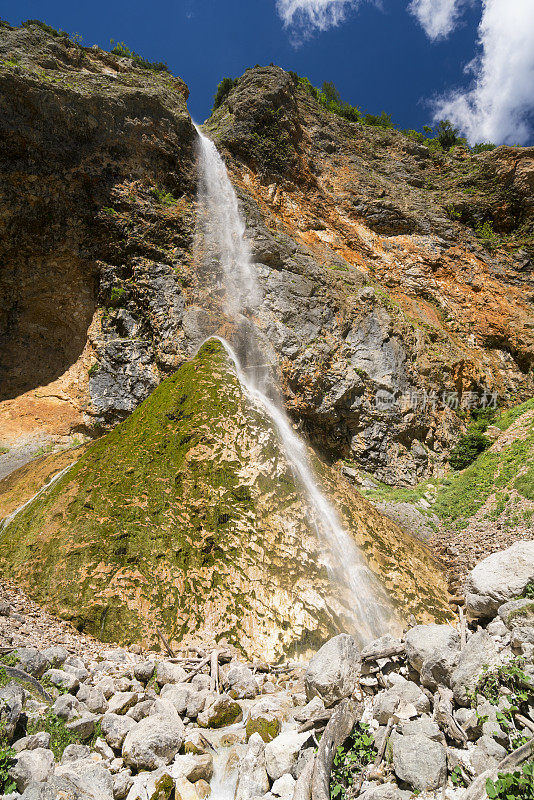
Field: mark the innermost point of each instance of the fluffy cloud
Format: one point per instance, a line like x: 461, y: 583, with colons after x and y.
x: 306, y: 16
x: 499, y: 104
x: 437, y: 17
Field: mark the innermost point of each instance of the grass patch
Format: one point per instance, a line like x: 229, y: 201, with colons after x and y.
x: 510, y: 416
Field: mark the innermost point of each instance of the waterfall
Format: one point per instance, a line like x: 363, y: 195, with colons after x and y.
x: 224, y: 231
x: 9, y: 519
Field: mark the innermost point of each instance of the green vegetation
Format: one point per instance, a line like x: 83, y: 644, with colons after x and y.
x: 469, y: 447
x: 482, y: 147
x: 9, y: 659
x: 487, y: 235
x: 93, y: 369
x: 118, y: 296
x: 60, y: 737
x: 163, y: 197
x: 271, y: 144
x: 518, y: 785
x: 510, y: 683
x: 47, y: 28
x: 357, y: 752
x: 223, y: 90
x: 447, y: 135
x: 529, y: 591
x: 7, y: 755
x: 3, y: 450
x: 120, y: 49
x: 509, y: 417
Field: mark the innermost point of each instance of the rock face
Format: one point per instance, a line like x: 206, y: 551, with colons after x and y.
x: 171, y: 517
x: 333, y: 671
x: 331, y: 206
x: 501, y: 577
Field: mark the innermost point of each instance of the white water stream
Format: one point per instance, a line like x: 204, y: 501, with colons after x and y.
x: 9, y: 519
x: 225, y: 237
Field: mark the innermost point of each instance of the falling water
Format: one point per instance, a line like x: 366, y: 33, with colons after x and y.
x: 9, y: 519
x: 225, y: 235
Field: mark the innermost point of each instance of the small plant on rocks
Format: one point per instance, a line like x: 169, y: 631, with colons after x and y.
x: 518, y: 785
x: 6, y: 759
x: 350, y: 759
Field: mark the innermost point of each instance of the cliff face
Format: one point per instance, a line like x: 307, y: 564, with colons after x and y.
x: 377, y: 282
x: 379, y: 297
x: 187, y: 518
x: 85, y: 136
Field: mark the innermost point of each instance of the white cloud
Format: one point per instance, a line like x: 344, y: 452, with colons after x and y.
x: 499, y: 105
x: 437, y: 17
x: 306, y: 16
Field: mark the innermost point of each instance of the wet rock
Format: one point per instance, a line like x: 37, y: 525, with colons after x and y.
x: 333, y: 671
x: 252, y: 778
x: 281, y: 754
x: 223, y: 711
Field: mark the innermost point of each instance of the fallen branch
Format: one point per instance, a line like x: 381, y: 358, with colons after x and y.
x: 382, y: 749
x: 463, y: 631
x: 319, y: 718
x: 165, y: 643
x: 384, y: 652
x: 444, y: 717
x: 343, y: 720
x: 525, y: 722
x: 197, y: 669
x: 214, y: 671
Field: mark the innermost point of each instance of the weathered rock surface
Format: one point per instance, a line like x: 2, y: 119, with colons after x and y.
x: 499, y: 578
x: 333, y: 672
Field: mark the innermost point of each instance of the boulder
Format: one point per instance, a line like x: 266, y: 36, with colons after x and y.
x: 404, y: 698
x: 281, y: 754
x: 62, y: 680
x: 501, y: 577
x: 11, y: 702
x: 82, y: 727
x: 222, y: 712
x: 284, y: 787
x: 115, y: 729
x: 437, y: 669
x: 387, y: 791
x: 41, y: 739
x: 241, y: 682
x: 158, y: 785
x: 267, y: 725
x: 74, y: 752
x: 153, y: 742
x: 169, y: 673
x: 419, y: 761
x: 144, y: 671
x: 32, y: 661
x: 332, y: 673
x: 486, y: 754
x: 31, y: 766
x: 193, y: 767
x: 90, y: 778
x: 121, y: 702
x: 56, y: 656
x: 122, y: 783
x: 195, y: 742
x: 479, y: 652
x: 424, y: 641
x: 252, y: 778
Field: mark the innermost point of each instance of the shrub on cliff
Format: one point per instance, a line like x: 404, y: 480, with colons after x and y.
x: 469, y: 447
x: 120, y: 49
x: 223, y: 90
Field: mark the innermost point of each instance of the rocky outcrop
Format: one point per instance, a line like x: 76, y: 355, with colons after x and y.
x: 187, y: 517
x: 381, y: 306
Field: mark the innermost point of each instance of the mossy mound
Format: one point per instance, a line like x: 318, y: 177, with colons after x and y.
x: 186, y: 518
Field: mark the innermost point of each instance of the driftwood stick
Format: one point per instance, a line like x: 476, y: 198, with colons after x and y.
x: 197, y: 669
x: 214, y: 671
x: 444, y: 717
x: 477, y: 790
x: 382, y: 749
x: 525, y: 722
x: 165, y: 643
x: 385, y: 652
x: 343, y: 720
x: 303, y: 786
x: 320, y: 718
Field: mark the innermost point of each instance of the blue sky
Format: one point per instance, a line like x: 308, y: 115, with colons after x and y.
x: 380, y: 58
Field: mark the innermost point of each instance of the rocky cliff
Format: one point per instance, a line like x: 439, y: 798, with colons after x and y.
x: 383, y: 305
x: 187, y: 517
